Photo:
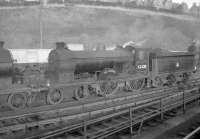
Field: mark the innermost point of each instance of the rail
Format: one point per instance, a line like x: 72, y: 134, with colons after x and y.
x: 192, y: 134
x: 126, y: 118
x: 78, y: 115
x: 86, y: 111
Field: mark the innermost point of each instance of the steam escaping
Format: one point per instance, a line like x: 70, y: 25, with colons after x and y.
x: 131, y: 43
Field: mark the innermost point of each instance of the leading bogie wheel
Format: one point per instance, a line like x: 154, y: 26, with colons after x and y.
x: 81, y: 92
x: 17, y: 101
x: 55, y: 96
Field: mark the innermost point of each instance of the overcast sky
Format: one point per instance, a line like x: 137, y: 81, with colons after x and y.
x: 189, y: 2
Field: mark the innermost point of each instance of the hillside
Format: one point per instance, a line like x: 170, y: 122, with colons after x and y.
x: 19, y: 28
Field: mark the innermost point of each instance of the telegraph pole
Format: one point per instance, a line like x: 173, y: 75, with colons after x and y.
x: 41, y: 24
x: 198, y: 14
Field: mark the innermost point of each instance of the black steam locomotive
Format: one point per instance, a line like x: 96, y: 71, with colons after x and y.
x: 85, y: 74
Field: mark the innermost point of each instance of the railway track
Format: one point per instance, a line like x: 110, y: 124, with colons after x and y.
x: 81, y: 104
x: 195, y: 134
x: 14, y: 123
x: 4, y: 107
x: 24, y: 122
x: 188, y: 130
x: 107, y: 125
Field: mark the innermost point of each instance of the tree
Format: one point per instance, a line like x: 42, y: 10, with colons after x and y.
x: 158, y: 4
x: 194, y: 9
x: 140, y: 3
x: 168, y: 4
x: 148, y: 3
x: 184, y: 7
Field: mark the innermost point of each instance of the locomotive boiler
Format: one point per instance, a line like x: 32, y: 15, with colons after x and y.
x: 102, y: 69
x: 63, y: 61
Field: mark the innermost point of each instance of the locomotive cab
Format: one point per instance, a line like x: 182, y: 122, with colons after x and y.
x: 141, y: 58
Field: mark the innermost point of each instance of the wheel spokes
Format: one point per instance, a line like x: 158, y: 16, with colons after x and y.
x: 80, y: 92
x: 108, y: 88
x: 55, y: 96
x: 17, y: 100
x: 135, y: 84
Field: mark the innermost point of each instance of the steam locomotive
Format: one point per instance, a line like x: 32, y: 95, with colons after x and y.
x: 85, y: 74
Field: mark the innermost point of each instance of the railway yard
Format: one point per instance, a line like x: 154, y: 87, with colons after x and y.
x: 113, y: 87
x: 103, y: 104
x: 100, y: 118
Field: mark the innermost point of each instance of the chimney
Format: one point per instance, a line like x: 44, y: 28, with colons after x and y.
x: 60, y: 45
x: 1, y: 44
